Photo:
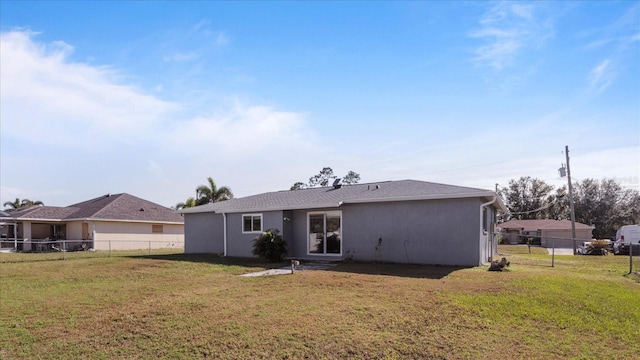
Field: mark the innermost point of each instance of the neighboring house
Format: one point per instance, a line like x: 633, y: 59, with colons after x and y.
x: 394, y: 221
x: 550, y: 232
x: 116, y: 222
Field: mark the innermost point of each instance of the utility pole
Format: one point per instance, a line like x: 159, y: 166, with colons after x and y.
x: 573, y: 214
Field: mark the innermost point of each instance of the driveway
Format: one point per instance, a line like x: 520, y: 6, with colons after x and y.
x: 561, y: 251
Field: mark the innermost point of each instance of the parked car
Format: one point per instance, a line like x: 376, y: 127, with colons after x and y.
x: 582, y: 249
x: 594, y: 247
x: 627, y: 236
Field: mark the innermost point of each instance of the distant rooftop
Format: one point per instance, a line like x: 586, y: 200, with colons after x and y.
x: 122, y: 207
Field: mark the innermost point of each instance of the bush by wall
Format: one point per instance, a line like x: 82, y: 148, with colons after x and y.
x: 270, y: 246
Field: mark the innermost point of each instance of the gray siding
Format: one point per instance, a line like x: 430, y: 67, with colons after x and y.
x: 445, y: 232
x: 297, y: 243
x: 203, y: 233
x: 239, y: 244
x: 422, y: 232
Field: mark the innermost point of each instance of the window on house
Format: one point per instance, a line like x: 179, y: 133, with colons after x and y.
x: 252, y: 223
x: 157, y: 229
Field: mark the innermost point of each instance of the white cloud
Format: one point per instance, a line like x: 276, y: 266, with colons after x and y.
x: 221, y: 40
x: 508, y: 29
x: 157, y: 171
x: 88, y: 133
x: 601, y: 76
x: 181, y: 57
x: 202, y: 25
x: 255, y: 128
x: 48, y: 98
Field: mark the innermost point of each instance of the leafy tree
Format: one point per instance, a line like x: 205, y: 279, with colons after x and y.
x: 299, y: 185
x: 191, y: 202
x: 324, y: 177
x: 526, y: 198
x: 21, y: 203
x: 211, y: 193
x: 559, y: 205
x: 351, y: 178
x: 321, y: 179
x: 606, y: 205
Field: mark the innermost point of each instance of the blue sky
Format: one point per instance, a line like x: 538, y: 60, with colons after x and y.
x: 150, y: 98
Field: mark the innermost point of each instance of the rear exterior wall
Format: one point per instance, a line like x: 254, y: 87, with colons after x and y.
x: 241, y: 244
x: 132, y: 236
x: 445, y: 232
x: 203, y: 233
x: 442, y: 232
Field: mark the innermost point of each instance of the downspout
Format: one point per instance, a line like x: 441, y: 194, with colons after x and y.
x: 481, y: 230
x: 224, y: 233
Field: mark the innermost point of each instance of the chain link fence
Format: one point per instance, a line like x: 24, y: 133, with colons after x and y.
x: 561, y: 247
x: 43, y: 250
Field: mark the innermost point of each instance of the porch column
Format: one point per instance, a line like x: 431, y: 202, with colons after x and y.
x: 15, y: 236
x: 93, y: 235
x: 26, y: 235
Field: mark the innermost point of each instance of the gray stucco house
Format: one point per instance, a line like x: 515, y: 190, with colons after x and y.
x: 403, y: 221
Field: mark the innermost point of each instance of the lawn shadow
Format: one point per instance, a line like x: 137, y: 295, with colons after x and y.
x: 399, y: 270
x: 214, y: 259
x: 368, y: 268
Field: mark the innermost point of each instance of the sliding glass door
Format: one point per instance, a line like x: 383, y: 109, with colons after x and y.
x: 325, y: 233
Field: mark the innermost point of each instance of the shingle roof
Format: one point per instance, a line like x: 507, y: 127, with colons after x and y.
x: 122, y: 207
x: 327, y: 197
x: 41, y: 212
x: 546, y: 224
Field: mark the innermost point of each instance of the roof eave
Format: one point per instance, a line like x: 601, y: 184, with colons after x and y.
x: 30, y: 219
x: 126, y: 221
x: 489, y: 194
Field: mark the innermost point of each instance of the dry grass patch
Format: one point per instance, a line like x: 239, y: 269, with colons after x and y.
x: 180, y: 306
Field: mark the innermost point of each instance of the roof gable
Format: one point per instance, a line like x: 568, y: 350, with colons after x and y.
x: 123, y: 207
x: 41, y: 212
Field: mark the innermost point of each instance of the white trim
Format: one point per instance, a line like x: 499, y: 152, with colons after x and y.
x: 265, y: 209
x: 253, y: 231
x: 325, y: 213
x: 481, y: 229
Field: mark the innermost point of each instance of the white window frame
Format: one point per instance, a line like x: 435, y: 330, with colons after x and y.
x: 325, y: 213
x: 252, y: 231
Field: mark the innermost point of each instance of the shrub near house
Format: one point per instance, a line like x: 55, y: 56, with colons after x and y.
x: 270, y: 246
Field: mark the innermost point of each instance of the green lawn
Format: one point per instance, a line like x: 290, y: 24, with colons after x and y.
x: 182, y: 306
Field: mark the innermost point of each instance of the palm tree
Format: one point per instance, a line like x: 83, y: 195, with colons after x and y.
x: 27, y: 202
x: 211, y: 193
x: 191, y: 202
x: 21, y: 203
